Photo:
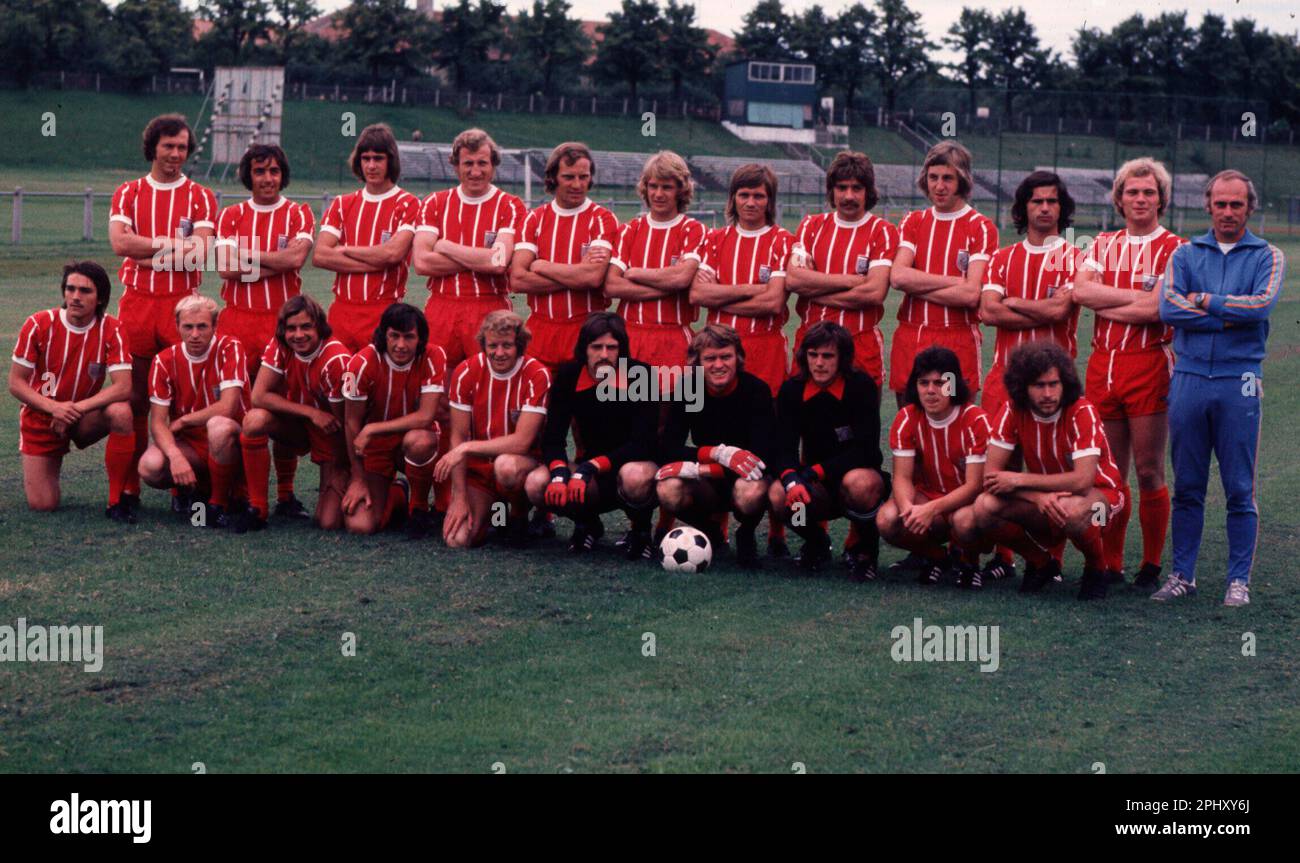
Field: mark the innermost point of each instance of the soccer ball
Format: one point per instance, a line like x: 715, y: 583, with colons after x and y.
x: 686, y: 549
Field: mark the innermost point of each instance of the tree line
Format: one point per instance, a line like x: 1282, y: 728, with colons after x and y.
x: 868, y: 55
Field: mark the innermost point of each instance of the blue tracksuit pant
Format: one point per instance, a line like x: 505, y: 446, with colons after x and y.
x: 1220, y: 415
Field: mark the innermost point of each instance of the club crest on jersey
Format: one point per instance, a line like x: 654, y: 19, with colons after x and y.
x: 385, y: 236
x: 1149, y: 282
x: 844, y: 433
x: 95, y: 370
x: 672, y: 262
x: 281, y: 243
x: 582, y: 251
x: 187, y: 227
x: 216, y: 392
x: 860, y: 265
x: 764, y: 273
x: 514, y: 417
x: 963, y: 260
x: 489, y: 237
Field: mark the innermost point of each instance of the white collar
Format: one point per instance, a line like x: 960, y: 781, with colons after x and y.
x: 1052, y: 242
x: 947, y: 217
x: 508, y: 375
x: 1133, y: 238
x: 840, y: 223
x: 267, y: 208
x: 320, y: 346
x: 73, y: 328
x: 366, y: 196
x: 760, y: 232
x: 671, y: 223
x: 395, y: 367
x: 166, y: 187
x: 560, y: 211
x: 206, y: 354
x: 1053, y: 418
x: 946, y: 421
x: 460, y: 192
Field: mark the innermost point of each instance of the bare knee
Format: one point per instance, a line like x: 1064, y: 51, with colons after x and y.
x: 512, y: 471
x: 636, y: 480
x: 419, y: 445
x: 222, y: 433
x: 153, y: 467
x: 672, y: 494
x: 749, y: 496
x: 118, y: 415
x: 887, y: 520
x: 257, y: 422
x: 535, y: 485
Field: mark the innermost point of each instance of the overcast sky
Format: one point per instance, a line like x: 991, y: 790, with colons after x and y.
x: 1056, y: 20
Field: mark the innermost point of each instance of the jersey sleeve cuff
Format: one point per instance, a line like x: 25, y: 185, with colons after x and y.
x: 905, y: 453
x: 601, y: 244
x: 227, y: 385
x: 880, y: 262
x: 707, y: 269
x: 401, y: 228
x: 267, y: 365
x: 618, y: 263
x: 303, y: 235
x: 120, y: 367
x: 976, y: 459
x: 166, y: 403
x: 527, y: 247
x: 118, y: 217
x: 1002, y: 444
x: 28, y: 363
x: 691, y: 256
x: 460, y: 407
x: 505, y: 230
x: 777, y: 274
x: 357, y: 398
x: 427, y: 229
x: 225, y: 241
x: 904, y: 244
x: 205, y: 224
x: 433, y: 388
x: 335, y: 400
x: 1084, y: 453
x: 997, y: 289
x: 533, y: 409
x: 330, y: 229
x: 1093, y: 265
x: 979, y: 257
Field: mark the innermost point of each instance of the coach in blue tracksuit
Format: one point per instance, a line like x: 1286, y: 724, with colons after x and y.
x: 1217, y: 293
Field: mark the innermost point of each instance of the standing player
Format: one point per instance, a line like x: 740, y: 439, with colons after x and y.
x: 840, y: 263
x: 464, y: 244
x: 298, y: 402
x: 262, y: 244
x: 943, y: 252
x: 498, y: 406
x: 365, y: 238
x: 655, y: 262
x: 939, y: 441
x: 199, y: 392
x: 732, y: 431
x: 60, y: 364
x: 392, y: 387
x: 828, y: 450
x: 1069, y: 487
x: 156, y: 224
x: 1131, y: 362
x: 562, y: 255
x: 615, y: 439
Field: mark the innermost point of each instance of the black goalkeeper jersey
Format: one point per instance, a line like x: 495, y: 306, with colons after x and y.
x: 838, y: 427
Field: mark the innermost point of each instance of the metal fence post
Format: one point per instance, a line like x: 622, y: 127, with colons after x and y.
x: 88, y: 216
x: 17, y: 235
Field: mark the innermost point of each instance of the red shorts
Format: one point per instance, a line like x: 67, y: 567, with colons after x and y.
x: 910, y: 340
x: 868, y: 351
x: 553, y: 341
x: 383, y: 454
x: 659, y: 345
x: 36, y: 436
x: 1126, y: 384
x: 454, y: 323
x: 148, y: 322
x: 995, y: 393
x: 480, y: 473
x: 324, y: 448
x: 354, y: 323
x: 767, y: 358
x: 197, y: 438
x: 254, y: 330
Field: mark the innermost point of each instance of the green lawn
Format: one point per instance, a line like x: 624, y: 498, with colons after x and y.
x: 227, y: 650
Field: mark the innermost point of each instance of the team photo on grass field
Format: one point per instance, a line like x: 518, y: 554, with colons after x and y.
x: 565, y: 447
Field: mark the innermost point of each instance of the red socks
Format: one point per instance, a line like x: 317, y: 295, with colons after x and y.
x: 257, y: 469
x: 1153, y: 515
x: 285, y: 468
x: 396, y: 503
x: 1016, y: 538
x: 1094, y: 554
x: 223, y: 477
x: 140, y: 426
x: 420, y: 476
x: 1113, y: 539
x: 119, y: 457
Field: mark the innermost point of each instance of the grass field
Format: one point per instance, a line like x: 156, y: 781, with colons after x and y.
x: 227, y: 651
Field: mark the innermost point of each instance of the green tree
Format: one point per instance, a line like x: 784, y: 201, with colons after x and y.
x: 548, y: 46
x: 1015, y: 59
x: 901, y: 48
x: 765, y: 33
x: 631, y: 48
x: 290, y: 17
x: 385, y: 38
x: 236, y: 25
x: 686, y: 49
x: 969, y: 38
x: 851, y: 57
x: 468, y: 31
x: 150, y: 36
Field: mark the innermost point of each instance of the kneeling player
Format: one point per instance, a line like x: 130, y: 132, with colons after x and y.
x: 298, y: 403
x: 199, y: 392
x: 831, y: 412
x: 939, y: 440
x: 68, y: 352
x: 498, y: 405
x: 615, y: 437
x: 732, y: 430
x: 1070, y: 486
x: 392, y: 387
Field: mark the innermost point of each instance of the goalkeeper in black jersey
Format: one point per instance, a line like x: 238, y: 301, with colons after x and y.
x: 731, y: 427
x: 827, y: 456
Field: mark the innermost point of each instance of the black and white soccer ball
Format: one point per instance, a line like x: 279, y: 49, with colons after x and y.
x: 686, y: 549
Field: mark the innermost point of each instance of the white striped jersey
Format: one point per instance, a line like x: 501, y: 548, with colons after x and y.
x: 648, y: 244
x: 362, y: 219
x: 944, y: 244
x: 264, y: 228
x: 392, y: 391
x: 495, y: 401
x: 564, y: 237
x: 1132, y: 264
x: 452, y: 215
x: 185, y: 384
x: 943, y: 448
x: 154, y: 210
x: 1034, y: 273
x: 69, y: 363
x: 840, y: 248
x: 740, y: 257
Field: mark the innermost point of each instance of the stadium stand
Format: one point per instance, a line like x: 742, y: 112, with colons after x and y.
x: 432, y: 162
x: 797, y: 176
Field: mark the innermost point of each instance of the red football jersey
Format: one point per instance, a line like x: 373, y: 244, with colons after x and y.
x: 840, y: 248
x: 393, y: 391
x: 1034, y: 273
x: 186, y: 384
x: 563, y: 237
x: 650, y: 244
x: 494, y: 401
x: 316, y: 380
x: 945, y: 244
x: 1051, y: 444
x: 362, y: 219
x: 945, y: 447
x: 264, y: 228
x: 69, y: 363
x: 1133, y: 264
x: 154, y: 210
x: 452, y: 215
x: 740, y: 257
